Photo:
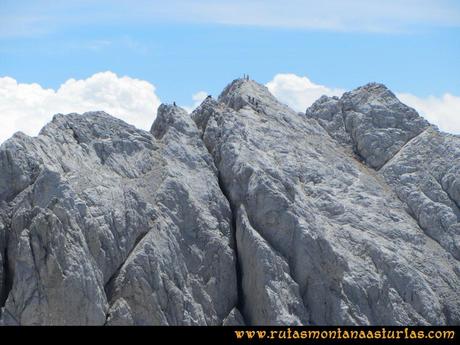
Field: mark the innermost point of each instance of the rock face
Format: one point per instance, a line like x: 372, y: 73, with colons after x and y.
x: 425, y: 175
x: 109, y: 224
x: 421, y: 164
x: 2, y: 262
x: 184, y: 270
x: 370, y: 119
x: 242, y: 212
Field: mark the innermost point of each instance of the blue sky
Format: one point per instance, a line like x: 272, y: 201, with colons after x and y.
x: 182, y: 47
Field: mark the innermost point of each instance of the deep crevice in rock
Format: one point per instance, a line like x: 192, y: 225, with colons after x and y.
x: 239, y: 273
x: 108, y: 286
x: 400, y: 149
x: 454, y: 202
x: 352, y: 136
x: 6, y: 281
x: 7, y: 274
x: 233, y: 209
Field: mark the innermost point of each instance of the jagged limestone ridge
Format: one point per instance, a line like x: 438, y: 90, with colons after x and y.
x: 243, y: 212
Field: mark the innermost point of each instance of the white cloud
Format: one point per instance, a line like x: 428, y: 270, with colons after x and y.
x: 197, y: 99
x: 442, y: 111
x: 298, y: 92
x: 28, y: 107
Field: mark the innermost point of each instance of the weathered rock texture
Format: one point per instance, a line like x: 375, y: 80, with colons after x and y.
x: 244, y: 212
x: 108, y: 223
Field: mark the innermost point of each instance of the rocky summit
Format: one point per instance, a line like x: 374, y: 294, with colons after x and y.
x: 243, y: 212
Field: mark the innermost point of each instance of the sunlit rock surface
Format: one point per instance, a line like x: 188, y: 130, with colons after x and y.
x: 243, y: 212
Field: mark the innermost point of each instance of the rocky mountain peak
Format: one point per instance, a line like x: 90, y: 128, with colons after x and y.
x: 246, y: 92
x: 172, y: 116
x: 371, y: 120
x: 242, y: 212
x: 374, y: 88
x: 377, y: 98
x: 87, y: 127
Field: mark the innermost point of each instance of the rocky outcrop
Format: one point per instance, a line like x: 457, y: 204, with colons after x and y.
x: 271, y: 296
x: 184, y: 270
x: 242, y: 212
x: 3, y: 289
x: 315, y: 225
x: 425, y: 175
x: 420, y: 163
x: 109, y: 223
x: 234, y: 318
x: 370, y: 119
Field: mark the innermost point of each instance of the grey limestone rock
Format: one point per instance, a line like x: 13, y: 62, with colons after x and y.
x: 183, y: 271
x: 3, y: 291
x: 371, y: 119
x: 234, y: 319
x: 92, y: 198
x: 274, y: 296
x: 426, y: 176
x: 120, y: 314
x: 318, y: 227
x: 243, y: 212
x: 421, y: 164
